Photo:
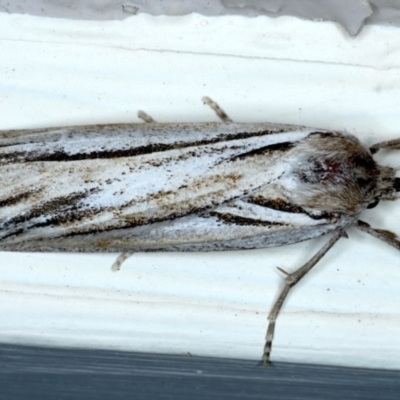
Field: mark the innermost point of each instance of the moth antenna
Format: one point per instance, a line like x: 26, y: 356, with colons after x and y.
x: 120, y: 260
x: 386, y: 236
x: 221, y: 114
x: 145, y: 117
x: 290, y: 281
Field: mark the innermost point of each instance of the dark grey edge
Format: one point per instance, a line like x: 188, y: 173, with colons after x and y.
x: 55, y: 373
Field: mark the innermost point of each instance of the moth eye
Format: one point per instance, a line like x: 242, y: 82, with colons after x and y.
x: 374, y: 204
x: 365, y: 161
x: 363, y: 182
x: 396, y: 185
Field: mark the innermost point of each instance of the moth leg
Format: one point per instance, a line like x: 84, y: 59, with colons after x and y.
x: 221, y: 114
x: 120, y: 260
x: 389, y: 145
x: 290, y: 281
x: 387, y: 236
x: 145, y: 117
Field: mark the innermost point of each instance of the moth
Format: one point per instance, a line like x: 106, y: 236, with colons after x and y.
x: 188, y: 187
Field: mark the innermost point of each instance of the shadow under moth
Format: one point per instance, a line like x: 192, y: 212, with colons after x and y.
x: 188, y: 187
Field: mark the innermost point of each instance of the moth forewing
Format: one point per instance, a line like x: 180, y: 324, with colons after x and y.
x: 186, y: 187
x: 83, y: 189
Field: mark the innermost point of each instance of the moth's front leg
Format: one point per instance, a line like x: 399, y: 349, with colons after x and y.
x: 386, y: 236
x: 290, y: 281
x: 388, y: 145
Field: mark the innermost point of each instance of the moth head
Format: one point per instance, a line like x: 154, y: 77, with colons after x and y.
x: 388, y: 185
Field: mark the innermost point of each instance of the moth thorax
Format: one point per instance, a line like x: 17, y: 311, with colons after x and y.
x: 342, y: 181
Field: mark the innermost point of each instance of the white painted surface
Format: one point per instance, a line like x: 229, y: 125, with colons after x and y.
x: 61, y: 72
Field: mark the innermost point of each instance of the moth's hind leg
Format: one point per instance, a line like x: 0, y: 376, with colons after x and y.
x: 290, y: 281
x: 221, y: 114
x: 386, y: 236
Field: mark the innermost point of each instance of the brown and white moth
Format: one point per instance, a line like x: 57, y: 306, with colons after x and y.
x: 188, y: 187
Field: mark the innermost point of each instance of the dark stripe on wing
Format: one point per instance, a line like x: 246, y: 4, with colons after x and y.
x: 282, y: 205
x: 61, y: 210
x: 68, y: 217
x: 236, y: 220
x: 282, y: 147
x: 13, y: 200
x: 323, y: 134
x: 276, y: 204
x: 59, y: 155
